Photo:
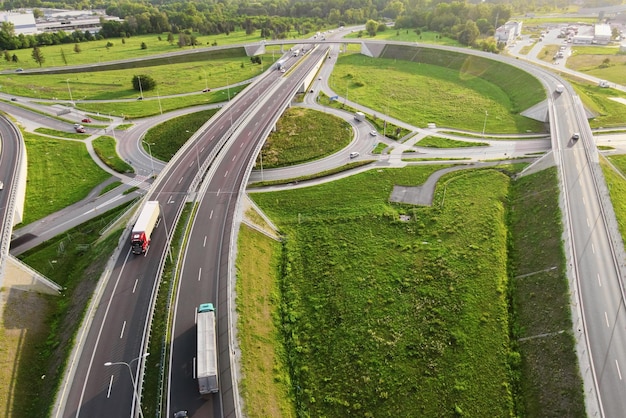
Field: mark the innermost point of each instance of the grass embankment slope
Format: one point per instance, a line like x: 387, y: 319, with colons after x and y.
x: 406, y: 80
x: 547, y: 379
x: 75, y: 261
x: 384, y: 317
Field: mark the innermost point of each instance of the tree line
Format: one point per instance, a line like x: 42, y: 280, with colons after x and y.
x: 274, y: 19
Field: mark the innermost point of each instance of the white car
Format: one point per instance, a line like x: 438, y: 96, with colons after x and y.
x: 373, y: 133
x: 354, y: 154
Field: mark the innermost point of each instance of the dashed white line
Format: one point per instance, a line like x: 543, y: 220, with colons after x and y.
x: 123, y: 328
x: 110, y: 387
x: 211, y: 214
x: 606, y: 318
x: 181, y: 180
x: 202, y: 149
x: 135, y: 286
x: 587, y: 219
x: 599, y: 281
x: 204, y: 243
x: 241, y: 145
x: 199, y: 273
x: 619, y: 373
x: 593, y: 248
x: 226, y: 173
x: 218, y: 192
x: 234, y: 156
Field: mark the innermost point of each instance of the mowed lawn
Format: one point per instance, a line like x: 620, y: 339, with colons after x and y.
x: 60, y: 173
x: 420, y: 93
x: 391, y: 318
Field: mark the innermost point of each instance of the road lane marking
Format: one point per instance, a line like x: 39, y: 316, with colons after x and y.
x: 599, y: 281
x: 135, y: 286
x: 587, y: 219
x: 190, y: 164
x: 199, y: 273
x: 170, y: 200
x: 218, y: 192
x: 606, y: 318
x: 181, y: 180
x: 202, y: 150
x: 211, y: 216
x: 110, y: 387
x: 234, y: 156
x: 618, y: 370
x: 241, y: 145
x: 204, y: 243
x: 593, y: 248
x: 123, y: 328
x: 226, y: 173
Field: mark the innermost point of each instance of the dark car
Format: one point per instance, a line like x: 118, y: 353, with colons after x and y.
x: 86, y: 120
x: 13, y: 99
x: 575, y: 136
x: 181, y: 414
x: 206, y: 90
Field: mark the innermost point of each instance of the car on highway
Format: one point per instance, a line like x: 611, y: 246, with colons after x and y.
x: 282, y: 70
x: 86, y: 120
x: 373, y: 133
x: 19, y: 70
x: 13, y: 99
x: 181, y: 414
x: 206, y: 90
x: 575, y: 136
x: 354, y: 154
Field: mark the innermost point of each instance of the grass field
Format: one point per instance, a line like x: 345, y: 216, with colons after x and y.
x: 446, y: 96
x: 104, y: 147
x: 437, y: 142
x: 60, y: 173
x: 304, y: 135
x: 608, y: 112
x: 408, y: 35
x: 266, y: 384
x: 97, y: 52
x: 167, y: 137
x: 411, y: 332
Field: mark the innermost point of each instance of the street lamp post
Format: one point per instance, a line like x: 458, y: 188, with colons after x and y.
x: 132, y: 378
x: 151, y: 159
x: 228, y: 87
x: 140, y: 89
x: 70, y: 91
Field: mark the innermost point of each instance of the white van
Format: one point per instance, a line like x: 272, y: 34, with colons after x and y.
x: 354, y: 154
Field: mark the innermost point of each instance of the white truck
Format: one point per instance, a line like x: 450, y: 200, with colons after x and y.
x: 359, y: 116
x: 206, y: 365
x: 142, y: 231
x: 296, y: 52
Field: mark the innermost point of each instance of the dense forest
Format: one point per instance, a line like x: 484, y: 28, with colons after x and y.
x: 275, y: 19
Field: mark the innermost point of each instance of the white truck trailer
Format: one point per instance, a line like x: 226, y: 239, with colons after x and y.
x: 206, y: 365
x: 142, y: 231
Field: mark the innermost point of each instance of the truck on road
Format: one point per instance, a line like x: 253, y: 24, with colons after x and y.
x: 359, y: 116
x: 296, y: 52
x: 142, y: 231
x: 559, y: 88
x: 206, y: 365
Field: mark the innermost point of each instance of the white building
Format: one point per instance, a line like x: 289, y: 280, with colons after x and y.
x: 602, y: 33
x: 24, y: 23
x: 508, y: 32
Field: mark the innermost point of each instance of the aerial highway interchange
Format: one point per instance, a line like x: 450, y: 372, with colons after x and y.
x: 212, y: 170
